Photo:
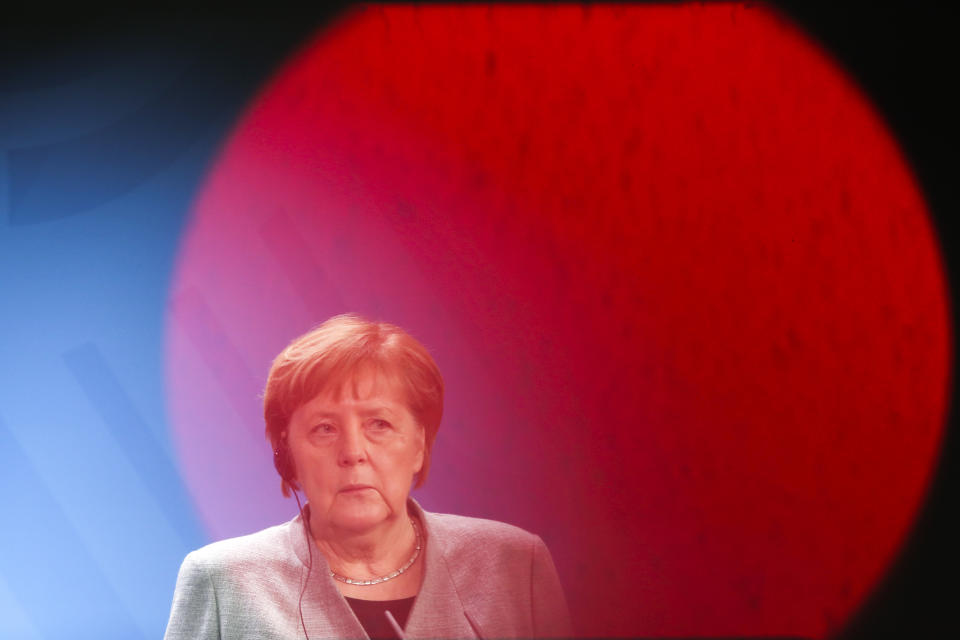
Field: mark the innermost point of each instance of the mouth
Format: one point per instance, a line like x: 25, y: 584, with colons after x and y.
x: 351, y: 488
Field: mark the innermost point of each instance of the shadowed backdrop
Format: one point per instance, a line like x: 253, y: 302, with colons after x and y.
x: 684, y: 282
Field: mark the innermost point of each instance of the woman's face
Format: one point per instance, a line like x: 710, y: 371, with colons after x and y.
x: 356, y: 454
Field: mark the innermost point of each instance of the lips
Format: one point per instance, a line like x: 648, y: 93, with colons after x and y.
x: 354, y: 487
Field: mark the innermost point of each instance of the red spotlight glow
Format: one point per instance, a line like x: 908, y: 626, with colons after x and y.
x: 680, y: 281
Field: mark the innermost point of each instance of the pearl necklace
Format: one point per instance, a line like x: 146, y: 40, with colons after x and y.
x: 389, y: 576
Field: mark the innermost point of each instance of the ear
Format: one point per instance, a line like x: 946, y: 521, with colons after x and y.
x: 421, y: 450
x: 289, y: 473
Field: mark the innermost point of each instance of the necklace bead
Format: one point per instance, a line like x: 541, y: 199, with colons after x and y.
x: 389, y: 576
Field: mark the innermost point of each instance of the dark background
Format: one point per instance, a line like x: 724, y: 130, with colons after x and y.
x: 902, y: 54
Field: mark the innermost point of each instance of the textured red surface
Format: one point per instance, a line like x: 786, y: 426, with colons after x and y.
x: 675, y: 270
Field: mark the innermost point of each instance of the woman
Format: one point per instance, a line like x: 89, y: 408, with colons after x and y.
x: 352, y: 410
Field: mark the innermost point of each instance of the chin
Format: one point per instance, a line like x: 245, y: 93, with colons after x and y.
x: 361, y: 517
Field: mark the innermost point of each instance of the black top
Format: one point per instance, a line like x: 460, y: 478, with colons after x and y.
x: 372, y: 616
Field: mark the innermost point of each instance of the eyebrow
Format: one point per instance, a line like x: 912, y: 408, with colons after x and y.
x: 362, y: 410
x: 315, y: 415
x: 376, y: 408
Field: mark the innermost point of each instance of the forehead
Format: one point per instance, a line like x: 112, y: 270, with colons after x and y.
x: 365, y: 388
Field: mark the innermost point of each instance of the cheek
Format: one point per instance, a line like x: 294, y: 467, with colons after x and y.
x: 313, y: 465
x: 402, y: 460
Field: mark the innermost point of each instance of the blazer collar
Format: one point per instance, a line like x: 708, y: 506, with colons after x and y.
x: 326, y: 613
x: 438, y: 611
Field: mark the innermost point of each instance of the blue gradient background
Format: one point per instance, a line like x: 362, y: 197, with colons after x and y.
x: 105, y: 133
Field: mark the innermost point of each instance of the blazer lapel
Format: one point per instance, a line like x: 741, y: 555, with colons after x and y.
x: 326, y: 613
x: 438, y: 611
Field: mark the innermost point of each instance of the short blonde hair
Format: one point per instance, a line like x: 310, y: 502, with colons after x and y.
x: 331, y: 355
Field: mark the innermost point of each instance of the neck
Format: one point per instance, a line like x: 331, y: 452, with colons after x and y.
x: 368, y: 553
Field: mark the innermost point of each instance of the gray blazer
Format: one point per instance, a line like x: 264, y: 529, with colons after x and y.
x: 482, y: 579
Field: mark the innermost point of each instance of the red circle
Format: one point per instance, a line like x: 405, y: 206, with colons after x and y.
x: 679, y: 278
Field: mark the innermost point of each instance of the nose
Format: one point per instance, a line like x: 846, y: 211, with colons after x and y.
x: 352, y: 447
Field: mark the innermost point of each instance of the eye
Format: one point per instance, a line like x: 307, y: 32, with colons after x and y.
x: 323, y: 428
x: 380, y: 425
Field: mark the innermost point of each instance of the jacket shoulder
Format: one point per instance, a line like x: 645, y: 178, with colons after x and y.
x: 451, y: 525
x: 256, y: 551
x: 504, y: 577
x: 479, y: 539
x: 237, y: 587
